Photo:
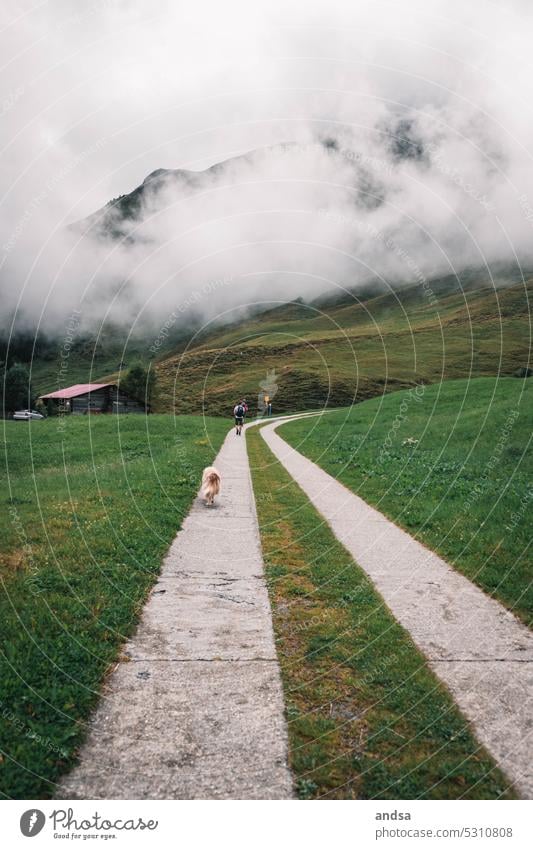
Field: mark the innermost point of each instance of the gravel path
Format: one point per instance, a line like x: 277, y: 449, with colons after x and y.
x: 474, y: 645
x: 195, y: 707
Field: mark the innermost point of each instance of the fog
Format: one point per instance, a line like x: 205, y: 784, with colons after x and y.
x: 360, y: 141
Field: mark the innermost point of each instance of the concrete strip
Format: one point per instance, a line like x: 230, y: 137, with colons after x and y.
x: 195, y: 709
x: 474, y: 645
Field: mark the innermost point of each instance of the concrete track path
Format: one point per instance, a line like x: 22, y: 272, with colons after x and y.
x: 195, y: 708
x: 473, y: 644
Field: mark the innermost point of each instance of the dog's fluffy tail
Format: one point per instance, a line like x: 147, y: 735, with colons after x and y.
x: 211, y: 480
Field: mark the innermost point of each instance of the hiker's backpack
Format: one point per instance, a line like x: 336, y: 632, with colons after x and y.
x: 239, y: 411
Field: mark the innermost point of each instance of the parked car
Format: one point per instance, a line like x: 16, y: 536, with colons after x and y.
x: 26, y: 415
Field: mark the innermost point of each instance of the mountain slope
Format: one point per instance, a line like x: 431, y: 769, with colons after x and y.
x: 322, y: 353
x: 351, y: 351
x: 160, y: 189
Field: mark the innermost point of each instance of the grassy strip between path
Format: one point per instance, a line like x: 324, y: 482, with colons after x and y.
x: 367, y: 718
x: 92, y: 510
x: 451, y: 464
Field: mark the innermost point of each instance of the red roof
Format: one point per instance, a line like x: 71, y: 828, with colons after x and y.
x: 77, y: 389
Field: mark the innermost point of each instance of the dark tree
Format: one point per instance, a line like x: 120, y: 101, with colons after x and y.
x: 139, y: 383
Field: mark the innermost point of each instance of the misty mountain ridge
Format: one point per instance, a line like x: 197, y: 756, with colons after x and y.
x: 342, y: 216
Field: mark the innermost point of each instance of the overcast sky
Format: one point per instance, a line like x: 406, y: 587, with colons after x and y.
x: 96, y: 95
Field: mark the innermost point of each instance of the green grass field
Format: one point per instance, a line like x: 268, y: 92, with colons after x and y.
x: 450, y: 463
x: 367, y: 718
x: 92, y: 505
x: 91, y: 512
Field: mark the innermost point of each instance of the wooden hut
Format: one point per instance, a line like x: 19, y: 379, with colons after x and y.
x: 83, y: 398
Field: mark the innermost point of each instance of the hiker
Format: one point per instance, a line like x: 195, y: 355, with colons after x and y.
x: 239, y: 412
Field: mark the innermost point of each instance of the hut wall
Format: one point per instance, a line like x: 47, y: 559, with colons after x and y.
x: 94, y: 402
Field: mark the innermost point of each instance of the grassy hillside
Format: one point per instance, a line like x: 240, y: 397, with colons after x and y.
x: 91, y: 511
x: 333, y: 354
x: 340, y: 348
x: 450, y: 463
x: 80, y: 357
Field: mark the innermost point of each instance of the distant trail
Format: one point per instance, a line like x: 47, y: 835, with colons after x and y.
x: 473, y: 644
x: 195, y: 709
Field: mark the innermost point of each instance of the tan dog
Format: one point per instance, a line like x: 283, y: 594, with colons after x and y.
x: 210, y: 484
